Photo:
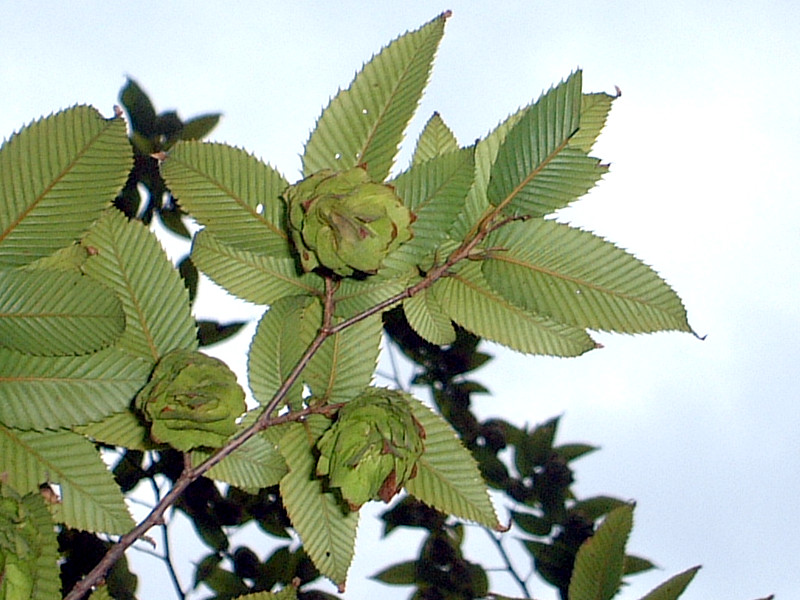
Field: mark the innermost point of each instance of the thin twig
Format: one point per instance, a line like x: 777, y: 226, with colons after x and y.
x: 507, y: 560
x: 167, y: 556
x: 266, y: 419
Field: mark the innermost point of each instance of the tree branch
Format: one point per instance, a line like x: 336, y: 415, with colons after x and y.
x: 265, y: 419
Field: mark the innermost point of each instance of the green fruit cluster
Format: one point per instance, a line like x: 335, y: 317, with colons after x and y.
x: 191, y: 400
x: 346, y: 222
x: 19, y: 548
x: 372, y: 449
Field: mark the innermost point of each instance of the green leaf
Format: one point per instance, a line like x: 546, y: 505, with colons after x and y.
x: 435, y: 192
x: 600, y: 561
x: 128, y: 259
x: 47, y: 578
x: 345, y: 363
x: 56, y: 313
x: 232, y: 193
x: 90, y: 500
x: 435, y: 140
x: 533, y: 524
x: 255, y: 465
x: 354, y: 295
x: 570, y: 452
x: 637, y: 564
x: 427, y: 317
x: 140, y: 109
x: 536, y: 170
x: 477, y: 202
x: 577, y: 278
x: 673, y: 587
x: 199, y: 127
x: 404, y: 573
x: 39, y: 392
x: 594, y: 112
x: 328, y: 530
x: 595, y: 507
x: 282, y: 336
x: 287, y: 593
x: 448, y: 478
x: 253, y: 277
x: 120, y: 429
x: 470, y: 302
x: 364, y: 124
x: 56, y: 177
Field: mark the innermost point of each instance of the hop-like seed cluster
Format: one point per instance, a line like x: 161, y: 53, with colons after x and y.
x: 372, y: 449
x: 191, y: 400
x: 346, y: 222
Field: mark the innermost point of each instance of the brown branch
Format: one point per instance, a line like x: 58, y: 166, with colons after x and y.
x: 266, y: 419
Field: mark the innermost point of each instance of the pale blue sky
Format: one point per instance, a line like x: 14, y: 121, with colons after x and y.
x: 703, y: 185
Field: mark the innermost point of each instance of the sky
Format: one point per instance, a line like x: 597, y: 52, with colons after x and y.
x: 703, y: 186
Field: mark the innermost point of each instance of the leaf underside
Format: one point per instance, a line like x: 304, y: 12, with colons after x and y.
x: 90, y: 499
x: 674, y: 586
x: 56, y: 313
x: 327, y: 529
x: 56, y: 177
x: 255, y: 465
x: 364, y: 124
x: 232, y: 193
x: 580, y: 279
x: 127, y: 258
x: 447, y: 477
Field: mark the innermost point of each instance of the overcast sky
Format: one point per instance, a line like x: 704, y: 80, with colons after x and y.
x: 703, y: 186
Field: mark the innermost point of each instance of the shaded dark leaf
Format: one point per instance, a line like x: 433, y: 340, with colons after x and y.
x: 212, y: 332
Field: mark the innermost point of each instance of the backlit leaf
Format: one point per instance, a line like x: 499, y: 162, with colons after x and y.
x: 600, y: 561
x: 448, y: 478
x: 232, y: 193
x: 537, y: 170
x: 427, y: 317
x: 256, y: 464
x: 48, y: 312
x: 674, y: 586
x: 56, y: 177
x: 436, y: 139
x: 38, y: 392
x: 127, y: 258
x: 90, y: 500
x: 326, y: 527
x: 470, y: 302
x: 364, y: 124
x: 282, y: 336
x: 578, y: 278
x: 253, y: 277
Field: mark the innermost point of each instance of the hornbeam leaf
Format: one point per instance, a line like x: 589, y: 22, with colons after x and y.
x: 425, y: 315
x: 594, y: 112
x: 287, y: 593
x: 232, y: 193
x: 345, y: 363
x: 477, y: 202
x: 537, y: 170
x: 90, y: 500
x: 355, y: 295
x: 38, y: 392
x: 127, y: 258
x: 47, y: 580
x: 326, y: 527
x: 469, y: 301
x: 282, y: 336
x: 435, y: 140
x: 256, y: 464
x: 435, y: 191
x: 254, y: 277
x: 364, y: 124
x: 578, y: 278
x: 124, y: 429
x: 56, y: 177
x: 600, y: 561
x: 447, y: 477
x: 674, y: 586
x: 47, y: 312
